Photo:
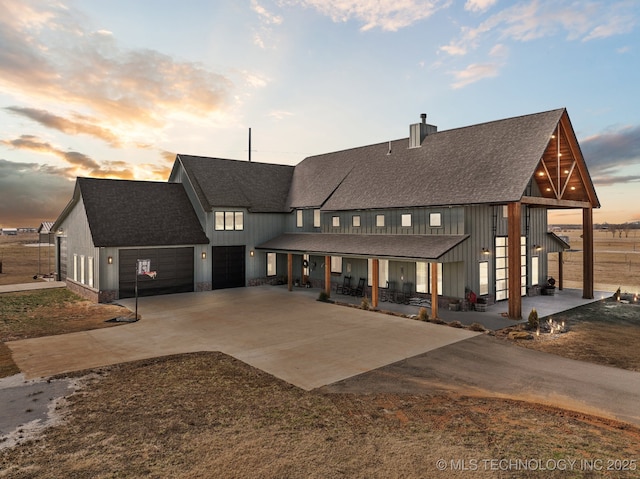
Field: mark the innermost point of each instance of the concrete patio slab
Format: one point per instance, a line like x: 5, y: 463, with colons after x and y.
x: 306, y: 343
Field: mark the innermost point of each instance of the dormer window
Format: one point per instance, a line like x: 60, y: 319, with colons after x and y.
x: 435, y: 220
x: 406, y: 220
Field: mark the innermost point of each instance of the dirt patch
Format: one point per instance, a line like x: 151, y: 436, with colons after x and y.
x: 190, y: 415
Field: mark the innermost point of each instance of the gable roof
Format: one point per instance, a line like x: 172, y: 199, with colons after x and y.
x: 486, y: 163
x: 259, y: 187
x: 137, y: 213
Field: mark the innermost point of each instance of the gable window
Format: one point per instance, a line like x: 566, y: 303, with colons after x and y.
x: 380, y: 221
x: 406, y: 220
x: 336, y: 264
x: 383, y: 272
x: 316, y: 218
x: 335, y: 221
x: 271, y: 264
x: 435, y: 220
x: 299, y: 218
x: 229, y: 220
x: 355, y: 221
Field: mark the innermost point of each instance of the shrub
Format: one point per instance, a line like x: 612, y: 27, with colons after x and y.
x: 533, y: 321
x: 423, y: 315
x: 323, y: 296
x: 477, y: 327
x: 364, y: 304
x: 455, y: 324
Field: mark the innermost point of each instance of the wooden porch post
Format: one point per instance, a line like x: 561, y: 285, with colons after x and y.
x: 434, y: 290
x: 375, y: 280
x: 587, y: 253
x: 560, y: 271
x: 327, y: 275
x: 513, y: 251
x: 290, y: 271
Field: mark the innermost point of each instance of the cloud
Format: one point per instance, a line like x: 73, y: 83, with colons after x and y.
x: 280, y: 114
x: 478, y: 5
x: 266, y: 16
x: 610, y: 155
x: 474, y: 73
x: 49, y: 54
x: 387, y: 15
x: 31, y: 193
x: 535, y: 19
x: 79, y: 125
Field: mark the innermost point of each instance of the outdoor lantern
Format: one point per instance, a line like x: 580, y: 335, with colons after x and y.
x: 204, y: 255
x: 110, y: 260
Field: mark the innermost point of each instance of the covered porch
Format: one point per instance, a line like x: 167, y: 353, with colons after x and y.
x: 385, y: 267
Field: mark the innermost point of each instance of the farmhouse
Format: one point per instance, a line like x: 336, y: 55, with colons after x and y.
x: 445, y: 213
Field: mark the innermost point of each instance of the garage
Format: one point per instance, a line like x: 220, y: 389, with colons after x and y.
x: 173, y: 267
x: 228, y: 267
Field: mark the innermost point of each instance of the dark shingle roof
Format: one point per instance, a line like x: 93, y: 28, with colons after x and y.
x: 259, y: 187
x: 382, y: 246
x: 486, y: 163
x: 139, y: 213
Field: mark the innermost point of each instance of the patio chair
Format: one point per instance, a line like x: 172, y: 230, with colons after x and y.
x: 388, y: 293
x: 345, y: 287
x: 405, y: 295
x: 359, y: 290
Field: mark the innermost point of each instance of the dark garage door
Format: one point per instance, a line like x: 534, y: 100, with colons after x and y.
x: 174, y: 268
x: 228, y: 267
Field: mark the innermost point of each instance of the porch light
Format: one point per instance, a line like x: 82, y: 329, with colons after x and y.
x: 541, y: 173
x: 204, y: 255
x: 573, y: 188
x: 109, y: 259
x: 485, y: 251
x: 252, y: 253
x: 537, y: 247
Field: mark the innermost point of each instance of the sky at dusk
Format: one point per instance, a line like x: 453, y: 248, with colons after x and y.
x: 114, y: 89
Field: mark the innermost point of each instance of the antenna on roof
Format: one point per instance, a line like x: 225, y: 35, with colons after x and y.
x: 389, y: 151
x: 249, y: 143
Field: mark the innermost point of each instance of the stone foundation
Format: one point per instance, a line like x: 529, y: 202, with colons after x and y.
x: 83, y: 290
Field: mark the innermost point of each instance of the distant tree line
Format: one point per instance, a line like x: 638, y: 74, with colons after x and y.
x: 619, y: 229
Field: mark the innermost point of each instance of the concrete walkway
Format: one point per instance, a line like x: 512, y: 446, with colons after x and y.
x: 304, y: 342
x: 13, y: 288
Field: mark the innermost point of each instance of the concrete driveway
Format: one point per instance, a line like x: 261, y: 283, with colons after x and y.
x: 304, y: 342
x: 484, y: 366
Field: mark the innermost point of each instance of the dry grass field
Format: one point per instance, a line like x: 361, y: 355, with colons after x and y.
x: 616, y: 261
x: 208, y: 415
x: 22, y: 258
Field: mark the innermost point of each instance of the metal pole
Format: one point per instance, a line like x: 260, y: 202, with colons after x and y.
x: 136, y: 318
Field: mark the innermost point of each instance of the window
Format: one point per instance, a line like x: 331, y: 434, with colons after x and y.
x: 355, y: 221
x: 271, y: 264
x: 299, y: 218
x: 535, y: 268
x: 383, y: 272
x: 484, y: 277
x: 435, y: 220
x: 90, y: 271
x: 380, y: 221
x: 406, y: 220
x: 335, y: 221
x: 229, y: 220
x: 82, y: 269
x: 505, y: 211
x: 316, y: 218
x: 336, y: 264
x: 423, y: 277
x: 75, y: 267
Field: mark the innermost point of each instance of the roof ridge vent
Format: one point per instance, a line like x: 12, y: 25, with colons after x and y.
x: 419, y: 131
